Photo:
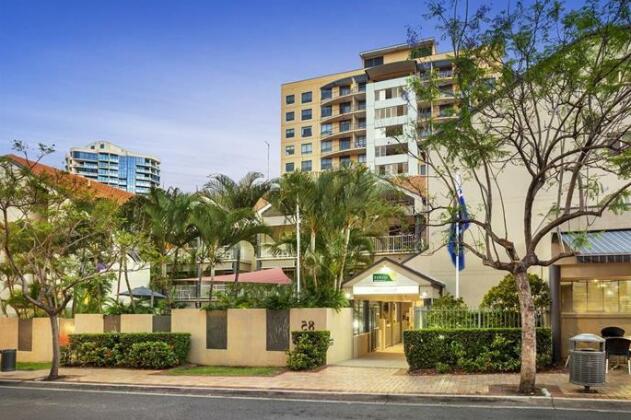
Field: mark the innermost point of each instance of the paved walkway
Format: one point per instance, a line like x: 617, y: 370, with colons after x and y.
x: 392, y: 358
x: 345, y: 379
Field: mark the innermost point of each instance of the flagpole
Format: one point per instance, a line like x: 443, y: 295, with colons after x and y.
x: 458, y: 256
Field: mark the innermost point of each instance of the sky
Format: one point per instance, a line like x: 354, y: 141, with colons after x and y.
x: 195, y: 83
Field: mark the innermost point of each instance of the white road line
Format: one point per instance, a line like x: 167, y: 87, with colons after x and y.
x: 314, y: 401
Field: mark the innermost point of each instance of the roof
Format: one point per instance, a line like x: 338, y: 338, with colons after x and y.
x: 430, y: 279
x: 394, y: 48
x: 416, y: 184
x: 72, y: 181
x: 600, y: 246
x: 267, y: 276
x: 390, y: 70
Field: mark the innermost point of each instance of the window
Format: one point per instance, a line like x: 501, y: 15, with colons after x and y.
x: 290, y: 99
x: 345, y: 143
x: 345, y: 160
x: 345, y: 107
x: 305, y: 148
x: 289, y: 167
x: 421, y: 51
x: 289, y: 116
x: 360, y: 141
x: 306, y: 165
x: 394, y: 130
x: 289, y: 150
x: 305, y: 114
x: 596, y: 296
x: 326, y: 146
x: 361, y: 87
x: 305, y: 131
x: 102, y: 146
x: 326, y: 93
x: 361, y: 158
x: 326, y: 129
x: 326, y: 163
x: 446, y: 90
x: 446, y: 111
x: 390, y: 112
x: 391, y: 150
x: 345, y: 90
x: 389, y: 93
x: 326, y: 111
x: 345, y: 126
x: 374, y: 61
x: 289, y: 133
x: 392, y: 169
x: 306, y: 97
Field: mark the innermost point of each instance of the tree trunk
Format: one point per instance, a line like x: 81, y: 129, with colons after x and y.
x: 528, y: 334
x: 54, y: 365
x: 131, y: 297
x: 212, y: 282
x: 347, y: 239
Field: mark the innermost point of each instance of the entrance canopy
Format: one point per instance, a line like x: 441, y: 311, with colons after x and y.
x: 267, y: 276
x: 388, y: 279
x: 607, y: 246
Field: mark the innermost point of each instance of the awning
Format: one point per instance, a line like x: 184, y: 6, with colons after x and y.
x: 143, y: 292
x: 605, y: 246
x: 268, y: 276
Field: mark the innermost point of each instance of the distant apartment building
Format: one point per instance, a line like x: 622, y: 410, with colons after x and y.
x: 368, y: 115
x: 112, y: 165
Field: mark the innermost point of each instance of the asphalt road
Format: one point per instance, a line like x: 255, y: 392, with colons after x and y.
x: 33, y: 402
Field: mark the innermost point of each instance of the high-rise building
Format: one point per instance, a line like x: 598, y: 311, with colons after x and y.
x: 368, y: 115
x: 112, y: 165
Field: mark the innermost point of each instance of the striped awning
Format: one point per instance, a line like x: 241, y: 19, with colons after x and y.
x: 600, y: 247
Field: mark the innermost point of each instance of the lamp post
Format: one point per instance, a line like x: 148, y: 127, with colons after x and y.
x: 268, y: 147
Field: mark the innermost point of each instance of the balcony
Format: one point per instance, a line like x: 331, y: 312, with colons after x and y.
x: 341, y: 113
x: 343, y: 94
x: 188, y: 292
x: 396, y: 244
x: 342, y: 131
x: 344, y: 147
x: 266, y: 251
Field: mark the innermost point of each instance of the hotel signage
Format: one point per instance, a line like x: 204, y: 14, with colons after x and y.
x: 379, y: 277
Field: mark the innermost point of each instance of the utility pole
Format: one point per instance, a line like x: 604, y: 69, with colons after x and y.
x: 297, y: 247
x: 268, y: 146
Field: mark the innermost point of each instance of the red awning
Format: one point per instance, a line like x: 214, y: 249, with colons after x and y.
x: 268, y: 276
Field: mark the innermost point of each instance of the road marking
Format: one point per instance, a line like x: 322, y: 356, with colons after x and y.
x: 306, y: 400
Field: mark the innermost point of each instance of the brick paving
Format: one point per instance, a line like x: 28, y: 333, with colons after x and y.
x: 344, y: 379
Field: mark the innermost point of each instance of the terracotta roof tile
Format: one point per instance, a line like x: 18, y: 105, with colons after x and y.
x: 72, y: 181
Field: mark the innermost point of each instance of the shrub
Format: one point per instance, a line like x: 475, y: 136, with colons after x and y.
x: 115, y: 349
x: 151, y: 355
x: 473, y: 350
x: 310, y: 349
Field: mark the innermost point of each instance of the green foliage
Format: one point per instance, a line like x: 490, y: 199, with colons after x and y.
x: 119, y: 308
x: 504, y: 296
x: 472, y: 350
x: 117, y: 349
x: 448, y: 301
x: 151, y: 355
x: 310, y: 348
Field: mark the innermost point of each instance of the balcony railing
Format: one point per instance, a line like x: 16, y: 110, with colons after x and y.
x: 357, y: 144
x: 342, y: 129
x: 345, y: 111
x: 396, y: 244
x: 188, y: 292
x: 266, y: 251
x: 342, y: 93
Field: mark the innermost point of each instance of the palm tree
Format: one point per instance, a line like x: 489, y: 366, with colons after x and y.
x: 232, y: 195
x: 218, y: 229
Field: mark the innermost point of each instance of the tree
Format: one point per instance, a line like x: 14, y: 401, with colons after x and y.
x: 219, y: 229
x: 232, y: 195
x: 545, y: 101
x: 54, y: 240
x: 504, y: 296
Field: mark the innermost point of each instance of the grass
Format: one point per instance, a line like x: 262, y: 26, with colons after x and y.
x: 223, y: 371
x: 32, y: 365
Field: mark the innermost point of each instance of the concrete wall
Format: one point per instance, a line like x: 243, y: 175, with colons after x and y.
x: 246, y: 334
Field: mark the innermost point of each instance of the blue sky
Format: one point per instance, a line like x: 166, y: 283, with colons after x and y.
x: 195, y: 82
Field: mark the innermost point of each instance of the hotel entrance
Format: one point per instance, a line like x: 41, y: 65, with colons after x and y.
x: 385, y: 297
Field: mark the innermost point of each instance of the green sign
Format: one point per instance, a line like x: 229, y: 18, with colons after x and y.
x: 381, y: 277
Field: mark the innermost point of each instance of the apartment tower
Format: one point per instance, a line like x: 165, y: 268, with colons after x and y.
x: 368, y: 115
x: 112, y: 165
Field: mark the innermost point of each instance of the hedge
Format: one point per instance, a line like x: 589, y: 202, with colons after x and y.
x: 310, y: 349
x: 472, y: 349
x: 121, y: 349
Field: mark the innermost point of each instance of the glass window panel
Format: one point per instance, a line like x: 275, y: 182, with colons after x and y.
x: 610, y: 291
x: 624, y: 292
x: 566, y: 297
x: 579, y: 296
x: 595, y: 296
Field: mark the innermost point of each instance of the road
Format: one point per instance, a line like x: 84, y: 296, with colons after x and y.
x: 42, y: 402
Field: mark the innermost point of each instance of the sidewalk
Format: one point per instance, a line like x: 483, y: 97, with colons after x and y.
x: 344, y: 379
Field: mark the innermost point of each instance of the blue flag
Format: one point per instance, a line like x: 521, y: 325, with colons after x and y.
x: 459, y: 225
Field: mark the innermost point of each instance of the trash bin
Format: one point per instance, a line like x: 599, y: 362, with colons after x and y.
x: 587, y: 360
x: 7, y: 364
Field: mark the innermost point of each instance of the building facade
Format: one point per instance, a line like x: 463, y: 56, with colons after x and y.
x: 367, y: 115
x: 114, y: 166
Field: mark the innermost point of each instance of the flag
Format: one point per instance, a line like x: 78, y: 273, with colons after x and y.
x: 459, y: 225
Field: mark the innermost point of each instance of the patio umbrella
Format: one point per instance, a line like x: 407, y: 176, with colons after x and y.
x: 144, y: 292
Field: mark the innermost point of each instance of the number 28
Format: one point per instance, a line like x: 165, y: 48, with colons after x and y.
x: 307, y: 326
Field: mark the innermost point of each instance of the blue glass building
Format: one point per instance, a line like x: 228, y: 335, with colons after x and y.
x: 112, y: 165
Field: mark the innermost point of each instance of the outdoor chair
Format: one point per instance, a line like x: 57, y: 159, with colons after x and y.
x: 612, y: 332
x: 618, y: 347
